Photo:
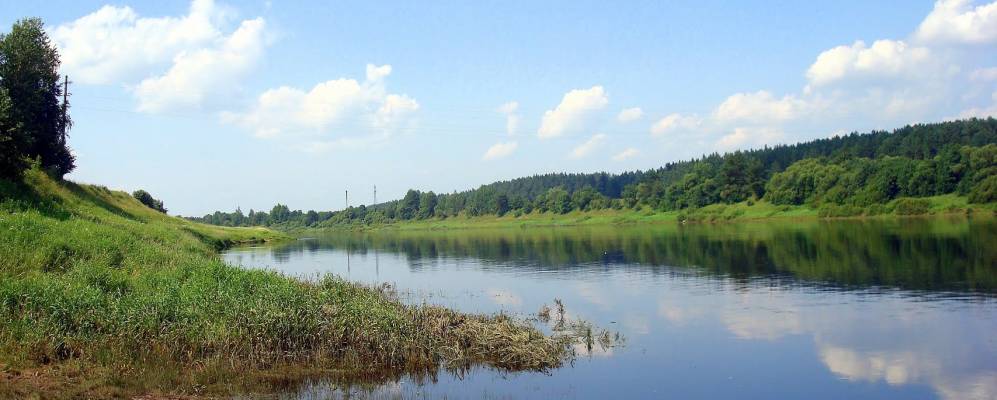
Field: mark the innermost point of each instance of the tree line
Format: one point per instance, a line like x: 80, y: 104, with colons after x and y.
x: 34, y: 110
x: 854, y: 170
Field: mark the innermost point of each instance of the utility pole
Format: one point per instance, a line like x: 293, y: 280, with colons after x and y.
x: 347, y: 199
x: 375, y: 194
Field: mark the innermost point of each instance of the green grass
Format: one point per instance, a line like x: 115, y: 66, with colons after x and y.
x: 96, y: 288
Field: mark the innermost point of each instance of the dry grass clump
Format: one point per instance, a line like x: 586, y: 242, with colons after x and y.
x: 461, y: 340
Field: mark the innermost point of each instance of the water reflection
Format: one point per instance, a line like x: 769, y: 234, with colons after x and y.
x: 869, y: 309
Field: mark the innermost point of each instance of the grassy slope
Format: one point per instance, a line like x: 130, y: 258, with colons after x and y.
x: 939, y: 205
x: 95, y: 288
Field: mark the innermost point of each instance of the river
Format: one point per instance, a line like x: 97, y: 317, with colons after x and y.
x: 777, y: 309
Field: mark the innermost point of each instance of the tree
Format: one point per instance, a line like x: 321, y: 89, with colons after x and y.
x: 279, y: 213
x: 145, y: 198
x: 311, y: 217
x: 13, y: 144
x: 29, y: 73
x: 427, y: 205
x: 581, y: 198
x: 985, y: 191
x: 238, y: 218
x: 501, y: 204
x: 558, y: 200
x: 408, y: 206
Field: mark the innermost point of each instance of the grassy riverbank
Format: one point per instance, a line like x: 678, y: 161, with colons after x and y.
x: 103, y: 297
x: 744, y: 211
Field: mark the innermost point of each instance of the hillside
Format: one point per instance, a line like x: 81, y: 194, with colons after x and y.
x: 96, y: 287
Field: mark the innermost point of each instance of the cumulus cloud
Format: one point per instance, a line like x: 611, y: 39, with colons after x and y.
x: 589, y: 146
x: 500, y: 150
x: 884, y: 59
x: 626, y: 154
x: 114, y: 43
x: 329, y: 108
x: 958, y: 21
x: 630, y: 114
x: 673, y: 122
x: 167, y: 61
x: 748, y: 137
x: 511, y: 118
x: 760, y: 106
x: 573, y: 111
x: 198, y: 74
x: 982, y: 112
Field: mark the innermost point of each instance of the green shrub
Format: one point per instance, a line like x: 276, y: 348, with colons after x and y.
x: 911, y: 206
x: 876, y: 209
x: 145, y: 198
x: 985, y: 191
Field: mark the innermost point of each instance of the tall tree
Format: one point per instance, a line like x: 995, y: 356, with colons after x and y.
x: 29, y: 72
x: 13, y: 143
x: 427, y: 205
x: 409, y: 205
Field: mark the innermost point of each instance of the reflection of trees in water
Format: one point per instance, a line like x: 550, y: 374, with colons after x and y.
x: 917, y: 254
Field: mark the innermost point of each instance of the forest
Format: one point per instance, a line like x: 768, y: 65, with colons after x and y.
x: 852, y: 174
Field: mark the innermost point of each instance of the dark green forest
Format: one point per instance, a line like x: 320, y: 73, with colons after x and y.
x: 845, y: 175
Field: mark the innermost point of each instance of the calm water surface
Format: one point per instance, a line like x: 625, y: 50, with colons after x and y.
x: 845, y: 309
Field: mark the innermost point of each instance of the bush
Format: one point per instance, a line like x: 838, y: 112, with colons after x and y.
x: 145, y: 198
x: 909, y: 206
x: 985, y: 191
x: 876, y: 209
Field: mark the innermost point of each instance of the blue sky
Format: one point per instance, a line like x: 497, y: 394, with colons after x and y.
x: 213, y: 105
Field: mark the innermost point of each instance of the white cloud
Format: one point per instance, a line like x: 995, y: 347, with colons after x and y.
x: 589, y: 146
x: 511, y: 118
x: 957, y: 21
x: 166, y: 61
x: 984, y: 74
x: 376, y: 74
x: 209, y: 71
x: 500, y: 150
x: 509, y: 108
x: 885, y: 58
x: 759, y: 106
x: 673, y: 122
x: 630, y: 115
x: 982, y: 112
x: 748, y: 137
x: 573, y: 111
x: 329, y: 108
x: 114, y: 43
x: 628, y: 153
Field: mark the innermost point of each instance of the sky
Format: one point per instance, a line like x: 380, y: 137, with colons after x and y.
x: 213, y: 105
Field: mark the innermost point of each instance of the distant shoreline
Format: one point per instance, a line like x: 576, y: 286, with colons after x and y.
x: 937, y: 206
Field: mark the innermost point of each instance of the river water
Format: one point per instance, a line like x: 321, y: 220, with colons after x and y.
x: 779, y: 309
